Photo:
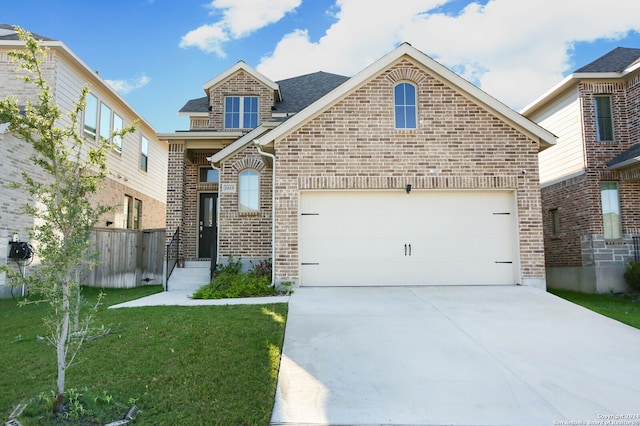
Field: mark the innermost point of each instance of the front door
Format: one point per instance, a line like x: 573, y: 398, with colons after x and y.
x: 207, y: 232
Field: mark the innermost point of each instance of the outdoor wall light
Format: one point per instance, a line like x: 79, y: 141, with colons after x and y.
x: 408, y: 188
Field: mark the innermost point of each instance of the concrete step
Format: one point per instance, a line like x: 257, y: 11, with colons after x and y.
x: 193, y: 276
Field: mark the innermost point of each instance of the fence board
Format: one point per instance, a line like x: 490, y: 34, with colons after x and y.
x: 126, y: 258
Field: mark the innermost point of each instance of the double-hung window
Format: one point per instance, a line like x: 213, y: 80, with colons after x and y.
x: 604, y: 118
x: 610, y: 210
x: 249, y: 192
x: 404, y: 95
x: 240, y: 112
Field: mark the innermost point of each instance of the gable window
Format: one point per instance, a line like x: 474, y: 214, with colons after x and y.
x: 610, y: 210
x: 209, y: 175
x: 90, y: 116
x: 404, y: 95
x: 144, y: 154
x: 240, y: 112
x: 604, y: 118
x: 248, y: 192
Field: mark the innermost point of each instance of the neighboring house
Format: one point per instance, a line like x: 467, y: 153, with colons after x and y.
x: 403, y: 174
x: 591, y: 178
x: 137, y: 164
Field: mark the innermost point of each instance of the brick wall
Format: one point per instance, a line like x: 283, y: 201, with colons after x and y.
x: 457, y: 145
x: 239, y: 84
x: 245, y: 235
x: 580, y: 240
x: 176, y: 172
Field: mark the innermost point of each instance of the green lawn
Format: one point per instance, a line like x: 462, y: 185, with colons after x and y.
x: 201, y: 365
x: 622, y: 307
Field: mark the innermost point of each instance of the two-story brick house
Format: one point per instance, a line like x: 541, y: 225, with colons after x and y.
x: 402, y: 174
x: 137, y: 164
x: 591, y: 179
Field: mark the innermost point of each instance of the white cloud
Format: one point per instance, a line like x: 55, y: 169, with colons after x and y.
x: 240, y: 18
x: 126, y: 86
x: 514, y: 50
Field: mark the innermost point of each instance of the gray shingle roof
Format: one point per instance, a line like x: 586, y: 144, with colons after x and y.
x: 297, y: 92
x: 8, y: 33
x: 300, y: 92
x: 616, y: 60
x: 627, y: 155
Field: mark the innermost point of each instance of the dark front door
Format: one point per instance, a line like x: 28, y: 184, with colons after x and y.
x: 207, y: 232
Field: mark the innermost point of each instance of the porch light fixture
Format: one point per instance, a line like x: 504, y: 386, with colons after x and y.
x: 408, y: 188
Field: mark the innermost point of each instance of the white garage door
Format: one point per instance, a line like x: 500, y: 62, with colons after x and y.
x: 357, y: 238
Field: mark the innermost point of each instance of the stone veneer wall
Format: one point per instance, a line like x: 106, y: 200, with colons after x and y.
x: 457, y: 145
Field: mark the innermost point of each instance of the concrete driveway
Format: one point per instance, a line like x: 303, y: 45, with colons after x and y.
x: 453, y: 356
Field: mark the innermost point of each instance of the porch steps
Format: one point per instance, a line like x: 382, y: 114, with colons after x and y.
x: 190, y: 278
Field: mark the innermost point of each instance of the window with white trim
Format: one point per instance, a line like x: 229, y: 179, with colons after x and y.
x: 405, y: 103
x: 144, y: 153
x: 240, y: 112
x: 610, y: 210
x: 604, y: 118
x: 90, y: 116
x: 249, y: 191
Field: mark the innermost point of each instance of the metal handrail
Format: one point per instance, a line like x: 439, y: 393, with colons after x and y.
x: 173, y: 252
x: 636, y: 247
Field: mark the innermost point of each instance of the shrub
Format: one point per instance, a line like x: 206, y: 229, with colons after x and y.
x: 632, y: 275
x: 230, y: 282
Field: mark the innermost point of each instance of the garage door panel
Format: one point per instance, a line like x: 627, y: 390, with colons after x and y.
x: 455, y: 237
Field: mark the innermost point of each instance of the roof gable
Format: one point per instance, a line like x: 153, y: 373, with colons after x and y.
x: 241, y: 66
x: 434, y: 68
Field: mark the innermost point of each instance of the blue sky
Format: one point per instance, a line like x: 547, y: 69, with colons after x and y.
x: 158, y: 53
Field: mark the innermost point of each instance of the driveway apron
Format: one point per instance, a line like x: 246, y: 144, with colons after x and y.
x: 490, y: 355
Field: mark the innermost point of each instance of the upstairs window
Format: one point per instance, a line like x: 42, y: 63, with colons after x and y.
x: 610, y: 210
x: 117, y: 126
x: 144, y: 154
x: 404, y: 95
x: 248, y: 193
x: 604, y: 118
x: 91, y: 116
x: 240, y: 112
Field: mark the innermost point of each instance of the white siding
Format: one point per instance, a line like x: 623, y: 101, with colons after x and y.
x: 563, y: 119
x: 124, y: 166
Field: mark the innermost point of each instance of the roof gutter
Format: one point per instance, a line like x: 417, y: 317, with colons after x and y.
x: 273, y: 210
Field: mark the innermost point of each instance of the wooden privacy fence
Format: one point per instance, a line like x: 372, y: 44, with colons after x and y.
x: 127, y: 258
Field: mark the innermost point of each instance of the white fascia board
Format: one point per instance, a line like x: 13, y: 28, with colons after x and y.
x: 193, y: 114
x: 65, y: 50
x: 544, y: 136
x: 240, y: 143
x: 240, y: 65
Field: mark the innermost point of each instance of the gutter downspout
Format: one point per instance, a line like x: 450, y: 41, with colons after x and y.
x: 273, y: 211
x: 217, y: 216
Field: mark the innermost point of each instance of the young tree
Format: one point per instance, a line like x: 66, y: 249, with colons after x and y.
x: 64, y: 214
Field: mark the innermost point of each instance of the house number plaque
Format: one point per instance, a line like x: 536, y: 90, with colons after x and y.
x: 228, y: 188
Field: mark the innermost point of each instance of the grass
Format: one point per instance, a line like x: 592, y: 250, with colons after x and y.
x: 621, y: 307
x: 196, y: 365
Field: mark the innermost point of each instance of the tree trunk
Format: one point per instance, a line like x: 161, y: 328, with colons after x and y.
x: 62, y: 344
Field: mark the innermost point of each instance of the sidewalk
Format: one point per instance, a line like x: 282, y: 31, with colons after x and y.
x: 184, y: 282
